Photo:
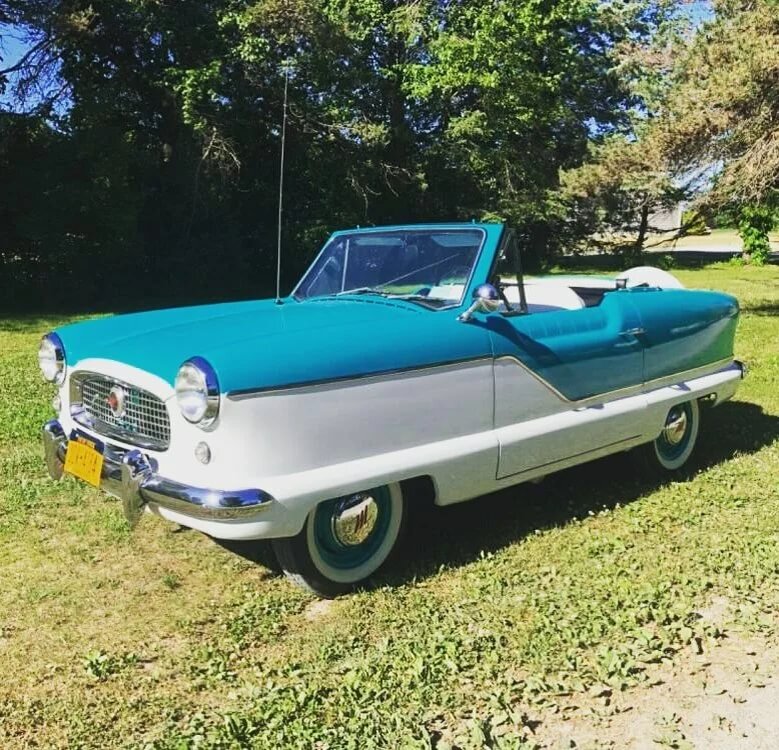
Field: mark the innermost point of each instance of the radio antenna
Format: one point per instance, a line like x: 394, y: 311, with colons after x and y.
x: 281, y: 183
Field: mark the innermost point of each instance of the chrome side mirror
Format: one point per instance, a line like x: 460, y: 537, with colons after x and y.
x: 485, y: 299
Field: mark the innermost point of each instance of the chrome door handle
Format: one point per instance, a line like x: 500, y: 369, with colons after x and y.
x: 633, y: 332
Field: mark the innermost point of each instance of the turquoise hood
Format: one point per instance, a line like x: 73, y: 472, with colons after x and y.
x: 260, y: 345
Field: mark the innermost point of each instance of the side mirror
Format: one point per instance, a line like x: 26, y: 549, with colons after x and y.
x: 485, y: 299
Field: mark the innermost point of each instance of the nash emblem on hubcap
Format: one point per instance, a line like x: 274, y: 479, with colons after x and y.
x: 354, y: 519
x: 675, y: 426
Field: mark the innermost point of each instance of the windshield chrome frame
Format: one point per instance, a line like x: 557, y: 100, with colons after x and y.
x: 393, y: 230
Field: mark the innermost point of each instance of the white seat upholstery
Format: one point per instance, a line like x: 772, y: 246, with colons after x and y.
x: 447, y: 291
x: 545, y: 296
x: 650, y: 276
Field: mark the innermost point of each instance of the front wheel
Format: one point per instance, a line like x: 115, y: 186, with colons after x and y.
x: 344, y: 541
x: 673, y: 447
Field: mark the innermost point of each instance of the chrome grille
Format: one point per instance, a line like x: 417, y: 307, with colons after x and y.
x: 144, y: 420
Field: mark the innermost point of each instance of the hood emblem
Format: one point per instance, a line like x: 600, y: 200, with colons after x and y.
x: 116, y: 399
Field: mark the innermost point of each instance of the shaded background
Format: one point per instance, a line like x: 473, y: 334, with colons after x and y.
x: 139, y: 140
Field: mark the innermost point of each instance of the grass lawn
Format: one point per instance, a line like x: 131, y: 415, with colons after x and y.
x: 513, y: 621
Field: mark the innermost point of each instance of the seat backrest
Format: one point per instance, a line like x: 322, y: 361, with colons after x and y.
x: 650, y: 276
x: 546, y: 296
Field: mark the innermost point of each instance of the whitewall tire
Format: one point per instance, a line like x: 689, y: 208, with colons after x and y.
x: 672, y: 448
x: 344, y: 541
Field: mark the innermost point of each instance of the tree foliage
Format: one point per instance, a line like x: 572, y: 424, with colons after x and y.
x: 708, y: 128
x: 629, y: 175
x: 754, y: 224
x: 615, y: 193
x: 149, y: 163
x: 722, y: 110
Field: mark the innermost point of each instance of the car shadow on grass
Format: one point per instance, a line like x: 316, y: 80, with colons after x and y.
x: 457, y: 535
x: 769, y: 309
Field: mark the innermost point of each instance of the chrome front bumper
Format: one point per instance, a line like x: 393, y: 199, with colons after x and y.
x: 131, y: 476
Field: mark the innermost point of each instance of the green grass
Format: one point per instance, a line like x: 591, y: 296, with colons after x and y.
x: 500, y: 609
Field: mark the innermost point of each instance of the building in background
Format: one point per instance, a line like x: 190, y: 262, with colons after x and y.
x: 666, y: 219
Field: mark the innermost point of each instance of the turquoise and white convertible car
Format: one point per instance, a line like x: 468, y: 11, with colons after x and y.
x: 407, y: 357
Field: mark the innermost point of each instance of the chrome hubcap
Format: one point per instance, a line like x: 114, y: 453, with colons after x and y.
x: 354, y: 518
x: 675, y: 426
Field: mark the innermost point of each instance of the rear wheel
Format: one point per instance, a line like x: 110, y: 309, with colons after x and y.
x: 673, y: 447
x: 344, y: 541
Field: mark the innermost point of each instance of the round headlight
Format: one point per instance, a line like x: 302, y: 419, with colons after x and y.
x: 51, y: 358
x: 197, y: 392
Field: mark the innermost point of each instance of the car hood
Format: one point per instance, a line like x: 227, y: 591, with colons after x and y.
x: 259, y: 345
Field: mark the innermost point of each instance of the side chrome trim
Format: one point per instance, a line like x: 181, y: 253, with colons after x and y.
x: 131, y: 476
x: 696, y: 372
x: 349, y: 379
x: 709, y: 369
x: 676, y: 377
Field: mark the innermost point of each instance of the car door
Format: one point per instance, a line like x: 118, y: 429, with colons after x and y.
x: 555, y: 373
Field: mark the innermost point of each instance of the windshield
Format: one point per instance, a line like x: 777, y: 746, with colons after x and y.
x: 425, y: 265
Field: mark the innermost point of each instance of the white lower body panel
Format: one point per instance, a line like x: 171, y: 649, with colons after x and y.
x: 540, y: 446
x: 465, y: 467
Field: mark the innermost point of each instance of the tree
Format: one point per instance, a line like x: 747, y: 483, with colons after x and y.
x: 629, y: 175
x: 398, y: 111
x: 722, y: 109
x: 618, y: 190
x: 518, y: 88
x: 433, y: 109
x: 754, y: 224
x: 721, y: 116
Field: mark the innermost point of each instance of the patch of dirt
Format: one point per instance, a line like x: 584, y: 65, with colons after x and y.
x: 318, y: 609
x: 726, y: 699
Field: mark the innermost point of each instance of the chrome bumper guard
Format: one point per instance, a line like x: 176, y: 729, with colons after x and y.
x: 131, y: 476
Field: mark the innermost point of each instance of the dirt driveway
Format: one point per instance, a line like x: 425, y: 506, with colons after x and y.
x: 721, y: 697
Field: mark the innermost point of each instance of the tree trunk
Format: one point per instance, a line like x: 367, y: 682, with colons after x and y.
x: 643, y: 227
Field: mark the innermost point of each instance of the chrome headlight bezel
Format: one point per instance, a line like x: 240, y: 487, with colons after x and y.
x: 51, y: 359
x: 197, y: 392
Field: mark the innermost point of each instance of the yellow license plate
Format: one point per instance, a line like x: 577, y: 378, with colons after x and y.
x: 84, y: 461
